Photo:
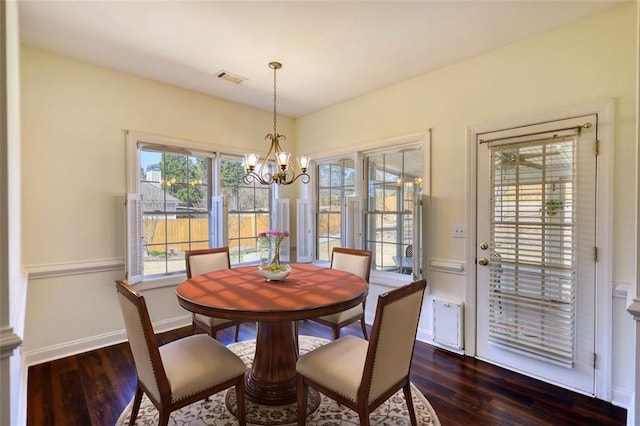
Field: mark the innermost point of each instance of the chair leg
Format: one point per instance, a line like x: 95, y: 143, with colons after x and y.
x: 193, y: 324
x: 407, y: 396
x: 364, y: 328
x: 237, y: 331
x: 363, y: 414
x: 302, y: 401
x: 163, y: 418
x: 240, y: 398
x: 336, y: 332
x: 137, y: 399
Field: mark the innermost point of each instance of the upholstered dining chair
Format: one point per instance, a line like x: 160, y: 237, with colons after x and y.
x: 408, y: 254
x: 200, y: 262
x: 362, y: 375
x: 181, y: 372
x: 357, y: 262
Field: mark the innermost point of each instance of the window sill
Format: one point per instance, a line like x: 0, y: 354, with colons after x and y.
x: 389, y: 279
x: 386, y: 279
x: 161, y: 282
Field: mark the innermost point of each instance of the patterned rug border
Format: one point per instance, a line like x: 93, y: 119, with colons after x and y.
x: 215, y: 412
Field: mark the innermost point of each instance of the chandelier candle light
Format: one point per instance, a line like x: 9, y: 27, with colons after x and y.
x: 273, y: 270
x: 261, y: 172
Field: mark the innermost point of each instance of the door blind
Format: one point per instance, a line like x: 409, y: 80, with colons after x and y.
x: 532, y: 287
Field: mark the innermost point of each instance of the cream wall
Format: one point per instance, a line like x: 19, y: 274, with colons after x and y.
x: 583, y: 62
x: 74, y: 117
x: 578, y: 63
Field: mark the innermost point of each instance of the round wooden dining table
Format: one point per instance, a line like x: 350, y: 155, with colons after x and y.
x: 243, y: 294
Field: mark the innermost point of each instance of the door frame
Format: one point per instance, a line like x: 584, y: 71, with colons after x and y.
x: 604, y: 229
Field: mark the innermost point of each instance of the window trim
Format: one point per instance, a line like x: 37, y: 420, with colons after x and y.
x: 133, y: 141
x: 605, y: 109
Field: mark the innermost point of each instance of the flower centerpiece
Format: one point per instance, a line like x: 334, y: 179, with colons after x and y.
x: 273, y: 269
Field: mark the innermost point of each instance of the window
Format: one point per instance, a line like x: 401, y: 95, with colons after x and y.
x: 182, y: 197
x: 249, y: 207
x: 393, y: 191
x: 373, y: 200
x: 176, y: 208
x: 336, y: 180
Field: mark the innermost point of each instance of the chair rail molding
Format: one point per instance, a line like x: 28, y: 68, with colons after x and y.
x: 634, y: 309
x: 79, y: 267
x: 447, y: 266
x: 9, y: 341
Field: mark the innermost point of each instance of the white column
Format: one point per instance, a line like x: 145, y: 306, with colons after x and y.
x: 9, y: 341
x: 11, y: 316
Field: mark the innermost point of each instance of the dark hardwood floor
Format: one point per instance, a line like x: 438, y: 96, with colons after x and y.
x: 92, y: 388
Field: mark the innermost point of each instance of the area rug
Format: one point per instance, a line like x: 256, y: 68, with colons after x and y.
x: 214, y: 412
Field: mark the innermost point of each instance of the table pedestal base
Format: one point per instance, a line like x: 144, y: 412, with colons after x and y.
x: 272, y: 378
x: 272, y: 415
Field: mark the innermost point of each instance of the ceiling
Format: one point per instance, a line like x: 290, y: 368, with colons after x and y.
x: 331, y: 51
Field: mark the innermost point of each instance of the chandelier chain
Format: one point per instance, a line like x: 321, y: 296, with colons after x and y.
x: 275, y: 70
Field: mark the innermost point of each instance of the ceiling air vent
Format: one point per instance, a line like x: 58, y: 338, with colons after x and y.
x: 233, y: 78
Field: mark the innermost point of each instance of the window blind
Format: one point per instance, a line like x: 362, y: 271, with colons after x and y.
x: 532, y: 288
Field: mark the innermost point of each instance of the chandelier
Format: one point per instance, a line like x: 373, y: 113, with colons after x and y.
x: 275, y: 167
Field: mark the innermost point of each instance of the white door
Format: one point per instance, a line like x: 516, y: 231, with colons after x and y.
x: 535, y: 251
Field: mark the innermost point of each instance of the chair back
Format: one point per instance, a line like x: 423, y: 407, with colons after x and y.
x: 408, y: 251
x: 206, y: 260
x: 142, y: 340
x: 392, y: 340
x: 357, y: 262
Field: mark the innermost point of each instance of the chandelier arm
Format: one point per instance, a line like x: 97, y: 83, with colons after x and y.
x: 263, y: 169
x: 252, y: 177
x: 275, y: 142
x: 305, y: 179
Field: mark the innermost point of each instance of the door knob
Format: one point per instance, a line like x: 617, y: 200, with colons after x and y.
x: 483, y: 261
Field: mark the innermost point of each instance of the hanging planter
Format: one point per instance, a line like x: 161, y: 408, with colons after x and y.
x: 551, y: 207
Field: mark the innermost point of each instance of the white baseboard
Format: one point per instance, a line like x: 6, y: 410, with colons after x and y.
x: 424, y: 335
x: 427, y: 337
x: 95, y: 342
x: 621, y: 398
x: 631, y: 412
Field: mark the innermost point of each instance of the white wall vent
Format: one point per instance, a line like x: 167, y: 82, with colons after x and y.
x: 447, y: 323
x: 233, y: 78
